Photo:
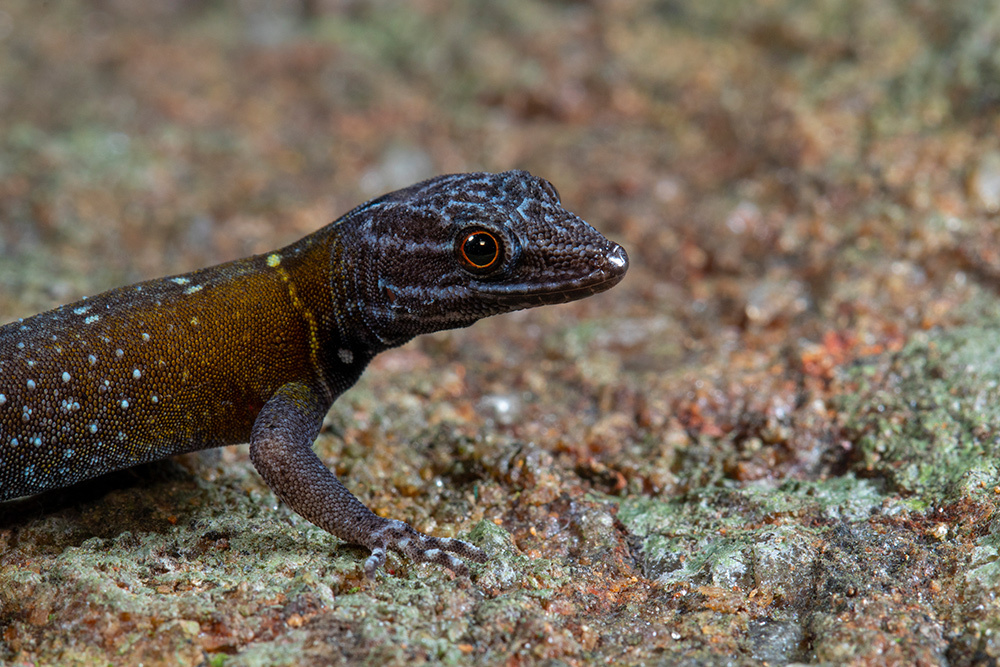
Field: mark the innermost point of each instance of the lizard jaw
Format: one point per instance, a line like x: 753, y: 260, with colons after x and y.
x: 534, y: 293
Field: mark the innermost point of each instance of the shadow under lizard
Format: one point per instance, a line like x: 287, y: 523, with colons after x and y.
x: 259, y: 348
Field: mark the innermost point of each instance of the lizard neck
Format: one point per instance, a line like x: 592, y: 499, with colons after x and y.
x: 320, y: 273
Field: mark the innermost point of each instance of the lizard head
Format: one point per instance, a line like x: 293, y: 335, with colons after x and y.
x: 449, y: 251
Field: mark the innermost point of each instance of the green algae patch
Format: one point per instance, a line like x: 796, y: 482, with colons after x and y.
x: 927, y: 419
x: 984, y: 562
x: 757, y: 536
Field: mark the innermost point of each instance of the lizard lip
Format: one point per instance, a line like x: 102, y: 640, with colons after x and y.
x: 610, y: 272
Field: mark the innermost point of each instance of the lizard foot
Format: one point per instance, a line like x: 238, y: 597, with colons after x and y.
x: 403, y: 538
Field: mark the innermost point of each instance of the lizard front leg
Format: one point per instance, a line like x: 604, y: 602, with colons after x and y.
x: 281, y: 450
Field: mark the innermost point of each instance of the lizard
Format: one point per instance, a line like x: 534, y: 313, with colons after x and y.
x: 257, y: 349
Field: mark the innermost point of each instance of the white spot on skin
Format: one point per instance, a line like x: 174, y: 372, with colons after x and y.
x: 274, y: 260
x: 92, y: 319
x: 345, y: 355
x: 136, y: 374
x: 20, y: 345
x: 193, y: 289
x: 155, y: 399
x: 145, y: 337
x: 80, y: 311
x: 119, y: 353
x: 69, y: 453
x: 31, y: 384
x: 66, y: 377
x: 92, y: 359
x: 124, y: 404
x: 180, y: 281
x: 3, y: 399
x: 92, y: 428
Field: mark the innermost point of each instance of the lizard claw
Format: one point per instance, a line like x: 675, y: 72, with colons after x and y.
x: 403, y: 538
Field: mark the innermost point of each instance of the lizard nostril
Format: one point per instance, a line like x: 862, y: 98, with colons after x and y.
x: 618, y: 259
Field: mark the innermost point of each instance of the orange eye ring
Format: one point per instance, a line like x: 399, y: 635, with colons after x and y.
x: 479, y: 250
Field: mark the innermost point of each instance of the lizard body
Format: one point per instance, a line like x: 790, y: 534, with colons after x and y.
x: 256, y: 350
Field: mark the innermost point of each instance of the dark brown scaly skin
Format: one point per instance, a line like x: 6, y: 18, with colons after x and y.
x: 259, y: 348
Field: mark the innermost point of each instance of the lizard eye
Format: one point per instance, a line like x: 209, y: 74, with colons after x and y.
x: 479, y: 250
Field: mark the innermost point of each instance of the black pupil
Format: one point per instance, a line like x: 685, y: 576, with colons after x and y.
x: 480, y: 249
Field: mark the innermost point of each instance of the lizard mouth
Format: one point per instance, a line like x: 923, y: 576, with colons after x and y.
x: 607, y: 275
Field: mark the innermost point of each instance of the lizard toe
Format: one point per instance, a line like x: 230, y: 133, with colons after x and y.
x: 404, y: 539
x: 375, y: 561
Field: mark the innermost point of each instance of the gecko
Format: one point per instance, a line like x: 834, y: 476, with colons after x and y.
x: 256, y: 350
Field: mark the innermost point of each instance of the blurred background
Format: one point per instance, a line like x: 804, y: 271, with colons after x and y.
x: 738, y: 150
